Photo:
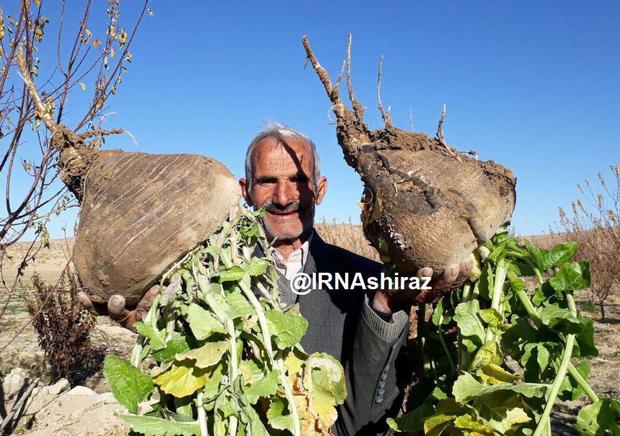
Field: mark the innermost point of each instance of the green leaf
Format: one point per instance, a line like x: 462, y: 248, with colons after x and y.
x: 585, y: 339
x: 264, y: 387
x: 467, y: 387
x: 552, y: 313
x: 491, y: 316
x: 287, y: 328
x: 489, y: 353
x: 182, y: 379
x: 571, y: 277
x: 595, y: 418
x: 128, y: 384
x: 156, y: 338
x: 176, y: 345
x: 437, y: 316
x: 250, y: 371
x: 276, y: 416
x: 150, y: 425
x: 233, y: 274
x: 412, y: 421
x: 256, y: 266
x: 208, y: 355
x: 202, y: 322
x: 537, y: 255
x: 468, y: 422
x: 253, y: 421
x: 470, y: 325
x: 238, y: 305
x: 542, y: 357
x: 560, y: 254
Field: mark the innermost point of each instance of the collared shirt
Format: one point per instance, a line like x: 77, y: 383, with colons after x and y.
x: 295, y: 262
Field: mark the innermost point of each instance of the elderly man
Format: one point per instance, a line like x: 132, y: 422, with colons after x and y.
x: 364, y: 330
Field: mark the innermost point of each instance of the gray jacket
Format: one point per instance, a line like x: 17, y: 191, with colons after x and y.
x: 343, y: 324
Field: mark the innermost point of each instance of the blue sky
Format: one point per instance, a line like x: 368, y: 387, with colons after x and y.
x: 530, y: 84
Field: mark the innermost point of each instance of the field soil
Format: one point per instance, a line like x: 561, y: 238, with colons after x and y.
x: 19, y: 347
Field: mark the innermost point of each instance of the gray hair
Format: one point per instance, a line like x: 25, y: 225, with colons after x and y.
x: 280, y: 132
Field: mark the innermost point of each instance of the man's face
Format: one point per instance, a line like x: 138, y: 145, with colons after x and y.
x: 283, y: 183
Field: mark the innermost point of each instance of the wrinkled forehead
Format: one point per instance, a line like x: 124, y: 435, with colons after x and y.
x: 286, y: 155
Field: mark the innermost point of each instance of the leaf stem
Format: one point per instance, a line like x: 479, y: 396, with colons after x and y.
x: 555, y: 387
x: 498, y: 285
x: 276, y: 364
x: 202, y: 415
x: 531, y: 311
x: 444, y: 345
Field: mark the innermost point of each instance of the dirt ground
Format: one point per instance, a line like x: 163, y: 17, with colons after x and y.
x: 19, y: 348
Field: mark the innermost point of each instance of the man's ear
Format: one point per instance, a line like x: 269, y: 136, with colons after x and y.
x: 243, y: 183
x: 321, y: 190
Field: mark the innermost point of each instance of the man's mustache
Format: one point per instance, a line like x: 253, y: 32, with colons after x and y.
x: 294, y: 206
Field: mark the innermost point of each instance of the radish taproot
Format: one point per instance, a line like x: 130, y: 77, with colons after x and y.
x: 140, y: 212
x: 424, y: 204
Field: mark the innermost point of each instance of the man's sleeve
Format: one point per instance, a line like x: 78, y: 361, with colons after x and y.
x: 371, y: 371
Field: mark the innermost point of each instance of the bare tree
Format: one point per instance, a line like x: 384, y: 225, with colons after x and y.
x: 594, y: 223
x: 85, y: 67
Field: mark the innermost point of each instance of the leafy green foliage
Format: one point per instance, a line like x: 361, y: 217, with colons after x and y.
x: 128, y: 384
x: 499, y: 350
x: 224, y: 357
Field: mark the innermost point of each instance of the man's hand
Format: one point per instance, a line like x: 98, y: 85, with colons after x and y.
x: 388, y: 301
x: 116, y: 309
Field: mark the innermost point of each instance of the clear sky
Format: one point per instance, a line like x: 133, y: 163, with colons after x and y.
x: 530, y: 84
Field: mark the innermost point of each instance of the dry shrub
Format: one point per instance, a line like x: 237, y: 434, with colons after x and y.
x: 594, y: 224
x: 64, y: 331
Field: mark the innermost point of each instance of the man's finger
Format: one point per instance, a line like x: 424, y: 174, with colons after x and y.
x: 464, y: 271
x: 425, y: 272
x: 116, y: 307
x: 447, y: 278
x: 86, y: 302
x: 146, y: 301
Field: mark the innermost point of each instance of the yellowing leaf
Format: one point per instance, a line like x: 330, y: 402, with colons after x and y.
x: 517, y: 416
x: 208, y: 355
x: 182, y: 379
x: 494, y: 374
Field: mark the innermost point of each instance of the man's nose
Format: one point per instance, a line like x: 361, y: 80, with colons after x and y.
x: 284, y: 193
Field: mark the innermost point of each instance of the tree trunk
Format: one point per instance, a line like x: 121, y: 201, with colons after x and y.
x: 601, y: 306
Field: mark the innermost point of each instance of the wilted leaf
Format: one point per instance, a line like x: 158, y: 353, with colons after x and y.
x: 323, y: 377
x: 277, y: 417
